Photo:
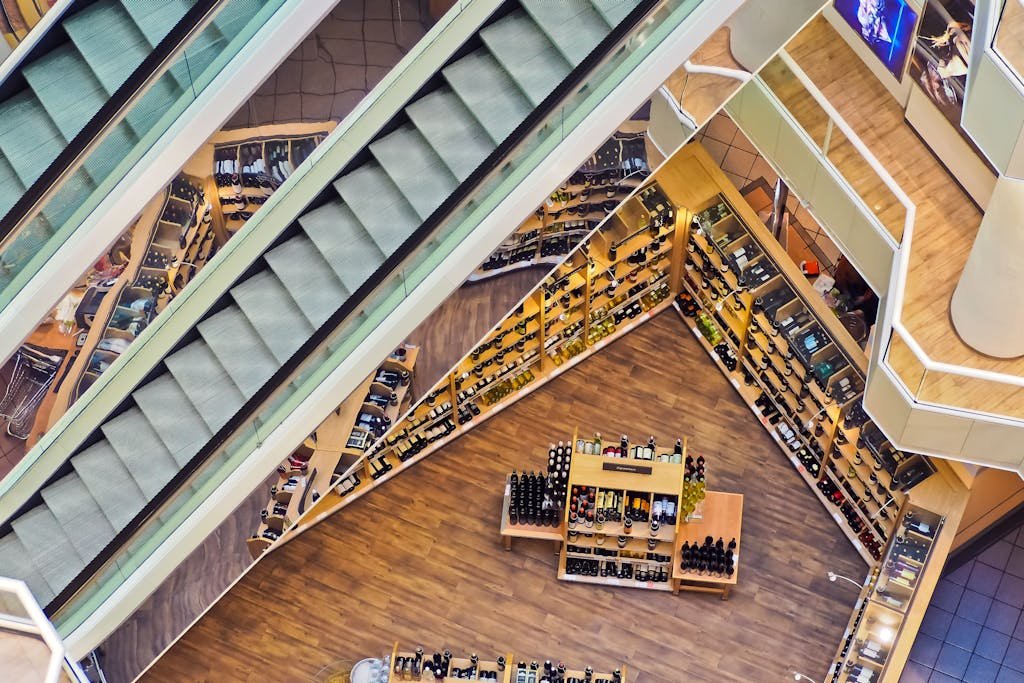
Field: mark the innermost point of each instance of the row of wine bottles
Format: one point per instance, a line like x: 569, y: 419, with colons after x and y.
x: 557, y: 673
x: 710, y: 557
x: 439, y: 666
x: 576, y: 566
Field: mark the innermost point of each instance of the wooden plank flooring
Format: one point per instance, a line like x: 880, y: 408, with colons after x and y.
x: 420, y: 559
x: 947, y: 221
x: 444, y: 337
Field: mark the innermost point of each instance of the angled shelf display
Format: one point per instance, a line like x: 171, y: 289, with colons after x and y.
x: 577, y: 207
x: 338, y: 442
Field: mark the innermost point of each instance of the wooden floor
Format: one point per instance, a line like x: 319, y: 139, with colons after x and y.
x: 420, y: 560
x: 444, y: 337
x: 947, y: 221
x: 703, y: 94
x: 463, y: 319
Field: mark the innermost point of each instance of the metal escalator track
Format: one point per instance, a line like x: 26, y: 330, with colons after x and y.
x: 89, y: 91
x: 429, y: 159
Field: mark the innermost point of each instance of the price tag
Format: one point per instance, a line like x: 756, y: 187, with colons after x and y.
x: 508, y: 489
x: 735, y: 384
x: 650, y: 584
x: 836, y: 517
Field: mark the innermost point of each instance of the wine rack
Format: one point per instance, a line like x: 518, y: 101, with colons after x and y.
x: 338, y: 443
x: 789, y: 364
x: 248, y: 169
x: 621, y: 516
x: 444, y: 667
x: 575, y: 209
x: 887, y: 597
x: 612, y: 282
x: 178, y: 231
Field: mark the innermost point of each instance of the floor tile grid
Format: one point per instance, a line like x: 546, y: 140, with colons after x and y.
x: 973, y: 631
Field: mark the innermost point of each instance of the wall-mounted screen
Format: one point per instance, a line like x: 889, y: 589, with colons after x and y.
x: 941, y: 53
x: 885, y: 26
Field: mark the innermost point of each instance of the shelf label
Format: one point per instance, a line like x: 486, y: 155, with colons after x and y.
x: 735, y: 384
x: 626, y: 467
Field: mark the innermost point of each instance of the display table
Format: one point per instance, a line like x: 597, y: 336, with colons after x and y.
x: 510, y: 531
x: 723, y: 518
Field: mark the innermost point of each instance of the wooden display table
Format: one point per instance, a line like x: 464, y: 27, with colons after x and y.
x: 504, y: 672
x: 723, y: 518
x: 510, y: 531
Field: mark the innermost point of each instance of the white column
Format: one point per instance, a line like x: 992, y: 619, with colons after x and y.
x: 988, y: 305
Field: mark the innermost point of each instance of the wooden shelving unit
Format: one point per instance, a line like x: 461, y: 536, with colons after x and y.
x: 575, y: 311
x: 761, y: 331
x: 505, y: 669
x: 574, y: 210
x: 633, y: 479
x: 337, y: 444
x: 264, y: 158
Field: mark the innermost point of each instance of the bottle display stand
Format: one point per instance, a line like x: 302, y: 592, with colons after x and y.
x: 249, y: 164
x: 532, y: 531
x: 624, y: 514
x: 170, y: 242
x: 574, y: 209
x: 611, y: 283
x: 443, y: 667
x: 337, y: 443
x: 722, y: 518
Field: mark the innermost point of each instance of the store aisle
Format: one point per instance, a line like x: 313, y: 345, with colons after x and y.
x: 420, y: 559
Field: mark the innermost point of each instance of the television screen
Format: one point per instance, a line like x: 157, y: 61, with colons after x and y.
x: 885, y: 26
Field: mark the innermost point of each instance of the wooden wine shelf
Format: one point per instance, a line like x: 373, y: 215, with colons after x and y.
x: 330, y: 451
x: 503, y: 672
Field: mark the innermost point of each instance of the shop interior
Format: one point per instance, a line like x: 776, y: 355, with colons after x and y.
x: 655, y: 465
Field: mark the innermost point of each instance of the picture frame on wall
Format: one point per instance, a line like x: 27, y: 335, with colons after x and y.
x: 885, y: 26
x: 941, y: 54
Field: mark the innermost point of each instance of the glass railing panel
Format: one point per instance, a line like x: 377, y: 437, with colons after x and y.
x: 25, y: 251
x: 1009, y: 37
x: 905, y: 363
x: 822, y: 128
x: 361, y: 323
x: 963, y: 392
x: 781, y: 80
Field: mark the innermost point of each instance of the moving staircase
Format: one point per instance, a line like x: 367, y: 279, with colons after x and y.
x: 54, y: 96
x: 434, y: 145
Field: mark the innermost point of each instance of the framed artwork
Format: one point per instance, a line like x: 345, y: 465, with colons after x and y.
x: 885, y: 26
x: 941, y: 54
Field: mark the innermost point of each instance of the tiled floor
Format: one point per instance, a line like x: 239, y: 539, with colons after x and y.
x: 973, y: 630
x: 743, y: 165
x: 336, y: 65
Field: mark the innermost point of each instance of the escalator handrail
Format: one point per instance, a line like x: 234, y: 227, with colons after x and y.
x: 421, y: 236
x: 71, y: 158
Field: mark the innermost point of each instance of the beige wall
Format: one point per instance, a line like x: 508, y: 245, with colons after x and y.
x: 994, y: 494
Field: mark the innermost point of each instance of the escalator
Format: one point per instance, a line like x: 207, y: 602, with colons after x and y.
x: 85, y: 98
x: 426, y: 154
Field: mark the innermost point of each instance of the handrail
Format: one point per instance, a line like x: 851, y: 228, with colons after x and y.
x: 109, y: 115
x: 411, y: 245
x: 901, y: 258
x: 185, y: 311
x: 25, y: 47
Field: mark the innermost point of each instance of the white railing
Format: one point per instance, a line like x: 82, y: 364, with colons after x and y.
x: 901, y: 261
